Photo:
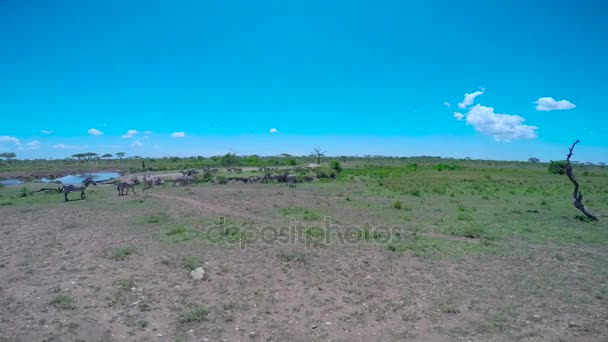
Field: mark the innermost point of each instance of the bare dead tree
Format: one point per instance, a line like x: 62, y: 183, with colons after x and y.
x: 318, y: 153
x: 577, y: 196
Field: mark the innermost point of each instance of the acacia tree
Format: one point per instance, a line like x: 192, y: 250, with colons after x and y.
x: 107, y: 156
x: 533, y: 160
x: 318, y: 153
x: 577, y: 196
x: 120, y: 155
x: 90, y: 156
x: 8, y: 155
x: 79, y: 156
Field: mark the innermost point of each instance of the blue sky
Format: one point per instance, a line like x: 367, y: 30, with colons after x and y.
x: 354, y: 77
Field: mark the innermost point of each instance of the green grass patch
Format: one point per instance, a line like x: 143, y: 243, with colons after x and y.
x: 473, y: 232
x: 157, y: 218
x: 291, y: 256
x: 306, y: 214
x: 123, y: 293
x: 177, y: 231
x: 122, y: 253
x: 196, y: 314
x: 62, y: 301
x: 191, y: 263
x: 315, y: 233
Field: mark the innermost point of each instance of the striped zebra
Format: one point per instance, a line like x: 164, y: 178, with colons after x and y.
x: 183, y: 181
x: 122, y: 186
x: 77, y: 188
x: 177, y: 181
x: 148, y: 182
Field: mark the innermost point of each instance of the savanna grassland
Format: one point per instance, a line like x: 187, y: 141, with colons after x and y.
x: 390, y: 251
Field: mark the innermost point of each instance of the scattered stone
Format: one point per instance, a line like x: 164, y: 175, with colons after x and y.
x: 198, y: 273
x: 314, y: 326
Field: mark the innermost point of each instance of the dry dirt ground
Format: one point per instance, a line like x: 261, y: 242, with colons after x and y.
x: 115, y: 268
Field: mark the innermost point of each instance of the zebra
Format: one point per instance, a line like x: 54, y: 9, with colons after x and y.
x: 126, y: 185
x: 291, y: 181
x: 188, y: 180
x: 189, y: 172
x: 158, y: 181
x: 148, y: 181
x: 76, y: 188
x: 177, y: 181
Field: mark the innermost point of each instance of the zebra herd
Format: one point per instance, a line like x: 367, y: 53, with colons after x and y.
x: 187, y: 178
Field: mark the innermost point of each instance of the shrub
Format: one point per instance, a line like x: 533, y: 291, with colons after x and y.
x: 24, y: 192
x: 325, y: 172
x: 397, y: 204
x: 335, y: 165
x: 557, y: 167
x: 441, y: 167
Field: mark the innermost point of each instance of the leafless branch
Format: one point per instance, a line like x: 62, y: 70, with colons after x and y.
x: 577, y: 196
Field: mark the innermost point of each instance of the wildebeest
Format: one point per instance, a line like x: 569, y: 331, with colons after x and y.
x: 291, y: 181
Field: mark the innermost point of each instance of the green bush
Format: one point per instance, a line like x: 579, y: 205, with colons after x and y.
x: 557, y: 167
x: 24, y: 192
x: 335, y: 165
x: 325, y: 172
x: 397, y: 204
x: 450, y: 167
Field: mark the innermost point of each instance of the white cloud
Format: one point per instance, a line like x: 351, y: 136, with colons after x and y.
x: 458, y: 116
x: 447, y: 104
x: 46, y: 131
x: 273, y: 130
x: 32, y: 145
x: 9, y: 139
x: 470, y: 98
x: 68, y: 147
x: 147, y: 132
x: 130, y: 133
x: 95, y: 131
x: 178, y: 134
x: 137, y: 143
x: 502, y: 127
x: 546, y: 104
